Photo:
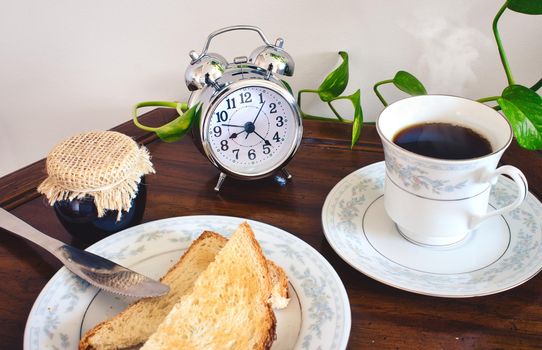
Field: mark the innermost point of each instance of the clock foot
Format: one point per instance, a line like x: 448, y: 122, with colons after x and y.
x: 286, y: 174
x: 221, y: 179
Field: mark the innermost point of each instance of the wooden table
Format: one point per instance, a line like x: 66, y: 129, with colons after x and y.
x: 382, y: 317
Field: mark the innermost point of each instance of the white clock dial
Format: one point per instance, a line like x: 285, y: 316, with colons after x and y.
x: 252, y: 130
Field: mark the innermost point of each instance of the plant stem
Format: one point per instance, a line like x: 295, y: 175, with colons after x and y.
x: 535, y: 88
x: 152, y: 104
x: 537, y: 85
x: 504, y: 60
x: 313, y: 117
x: 488, y: 99
x: 340, y: 98
x: 375, y: 88
x: 324, y: 119
x: 335, y: 112
x: 349, y: 98
x: 182, y: 106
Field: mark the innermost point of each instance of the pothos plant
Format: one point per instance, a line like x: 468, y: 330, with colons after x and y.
x: 521, y: 105
x: 330, y: 90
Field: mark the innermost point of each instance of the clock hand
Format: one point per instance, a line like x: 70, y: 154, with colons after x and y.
x: 266, y: 142
x: 234, y: 135
x: 237, y: 126
x: 253, y: 124
x: 257, y: 115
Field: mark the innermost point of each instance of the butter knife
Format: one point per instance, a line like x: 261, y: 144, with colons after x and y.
x: 94, y: 269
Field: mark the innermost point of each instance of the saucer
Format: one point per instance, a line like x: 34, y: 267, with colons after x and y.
x: 504, y: 252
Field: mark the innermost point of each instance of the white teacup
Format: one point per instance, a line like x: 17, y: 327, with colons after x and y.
x: 439, y: 201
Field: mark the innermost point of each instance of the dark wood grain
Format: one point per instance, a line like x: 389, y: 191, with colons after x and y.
x: 382, y: 317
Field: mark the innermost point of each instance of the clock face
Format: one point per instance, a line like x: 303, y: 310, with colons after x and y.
x: 252, y: 130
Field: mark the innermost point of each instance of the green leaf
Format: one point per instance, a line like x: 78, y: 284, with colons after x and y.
x: 523, y: 108
x: 358, y: 117
x: 408, y: 83
x: 177, y: 128
x: 335, y: 83
x: 288, y: 87
x: 528, y: 7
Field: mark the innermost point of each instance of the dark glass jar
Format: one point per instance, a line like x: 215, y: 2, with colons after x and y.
x: 80, y: 217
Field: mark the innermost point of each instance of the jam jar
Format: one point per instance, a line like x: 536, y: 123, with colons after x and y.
x: 96, y: 183
x: 80, y: 217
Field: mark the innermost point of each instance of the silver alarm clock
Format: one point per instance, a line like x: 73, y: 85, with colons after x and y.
x: 250, y: 125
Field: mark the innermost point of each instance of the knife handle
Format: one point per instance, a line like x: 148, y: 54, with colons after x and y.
x: 16, y: 226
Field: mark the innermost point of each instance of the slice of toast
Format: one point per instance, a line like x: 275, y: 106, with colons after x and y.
x: 279, y: 294
x: 228, y: 307
x: 134, y: 325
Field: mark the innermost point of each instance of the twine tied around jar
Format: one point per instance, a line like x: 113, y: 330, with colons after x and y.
x: 106, y: 165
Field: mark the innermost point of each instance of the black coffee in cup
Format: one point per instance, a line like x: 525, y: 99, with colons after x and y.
x: 443, y: 140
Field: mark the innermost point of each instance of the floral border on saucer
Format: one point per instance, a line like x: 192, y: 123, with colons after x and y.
x: 349, y: 199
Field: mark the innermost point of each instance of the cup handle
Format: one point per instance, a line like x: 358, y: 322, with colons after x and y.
x: 521, y: 184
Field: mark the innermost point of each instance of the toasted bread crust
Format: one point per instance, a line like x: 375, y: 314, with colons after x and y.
x: 278, y: 285
x: 204, y: 236
x: 86, y: 342
x: 279, y: 298
x: 266, y: 294
x: 262, y: 260
x: 272, y: 334
x: 236, y: 286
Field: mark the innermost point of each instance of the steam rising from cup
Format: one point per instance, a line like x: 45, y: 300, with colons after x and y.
x: 450, y: 49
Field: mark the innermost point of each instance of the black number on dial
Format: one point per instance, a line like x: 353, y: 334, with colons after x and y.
x: 221, y: 116
x: 273, y: 107
x: 224, y: 145
x: 252, y: 154
x: 276, y: 137
x: 246, y: 97
x: 266, y: 149
x: 236, y: 152
x: 261, y: 98
x: 231, y: 102
x: 217, y: 130
x: 280, y: 121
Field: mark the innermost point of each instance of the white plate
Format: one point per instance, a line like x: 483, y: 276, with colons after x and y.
x: 318, y: 316
x: 502, y: 253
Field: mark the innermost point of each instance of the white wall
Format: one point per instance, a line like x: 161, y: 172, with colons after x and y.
x: 71, y: 65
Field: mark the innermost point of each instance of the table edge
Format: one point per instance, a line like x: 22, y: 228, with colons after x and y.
x: 19, y: 187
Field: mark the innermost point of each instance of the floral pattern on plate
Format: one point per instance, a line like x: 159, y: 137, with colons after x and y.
x: 350, y: 199
x: 56, y: 319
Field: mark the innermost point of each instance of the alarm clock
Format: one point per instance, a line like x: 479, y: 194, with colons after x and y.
x: 249, y: 124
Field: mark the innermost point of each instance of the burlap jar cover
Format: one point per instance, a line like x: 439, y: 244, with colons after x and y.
x: 106, y: 165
